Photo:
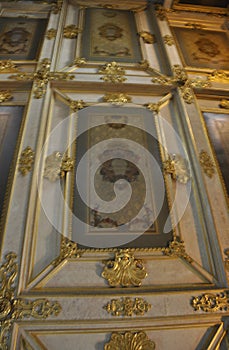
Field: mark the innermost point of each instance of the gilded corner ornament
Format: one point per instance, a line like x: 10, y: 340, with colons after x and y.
x: 26, y: 161
x: 147, y: 37
x: 124, y: 270
x: 116, y: 98
x: 207, y: 164
x: 178, y: 168
x: 129, y: 341
x: 57, y: 165
x: 42, y: 77
x: 13, y: 308
x: 7, y: 66
x: 78, y: 62
x: 51, y: 33
x: 127, y: 307
x: 168, y: 40
x: 68, y: 250
x: 71, y: 31
x: 5, y: 95
x: 176, y: 249
x: 76, y: 105
x: 112, y: 73
x: 210, y: 302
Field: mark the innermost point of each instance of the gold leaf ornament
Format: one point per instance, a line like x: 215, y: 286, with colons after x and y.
x: 210, y: 302
x: 26, y: 161
x: 124, y: 270
x: 130, y: 341
x: 127, y: 307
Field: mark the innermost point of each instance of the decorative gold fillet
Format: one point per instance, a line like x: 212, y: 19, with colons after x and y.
x: 116, y: 98
x: 226, y: 252
x: 219, y: 75
x: 68, y: 250
x: 26, y: 161
x: 42, y: 77
x: 210, y: 302
x: 127, y: 307
x: 51, y: 33
x: 57, y: 165
x: 7, y: 66
x: 147, y: 37
x: 224, y: 104
x: 5, y: 95
x: 130, y: 341
x: 124, y: 270
x: 207, y: 164
x: 71, y: 31
x: 13, y: 308
x: 176, y: 248
x: 177, y: 166
x: 168, y: 40
x: 112, y: 73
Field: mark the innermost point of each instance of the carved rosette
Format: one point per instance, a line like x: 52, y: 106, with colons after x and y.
x: 130, y: 341
x: 210, y: 302
x: 124, y: 271
x: 5, y: 95
x: 71, y: 31
x: 13, y: 308
x: 177, y: 166
x: 112, y: 73
x: 57, y: 165
x: 207, y: 164
x: 26, y: 161
x: 127, y: 307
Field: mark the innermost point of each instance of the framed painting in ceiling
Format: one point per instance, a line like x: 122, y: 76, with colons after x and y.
x: 203, y: 48
x: 110, y: 35
x: 218, y: 130
x: 21, y: 38
x: 114, y: 161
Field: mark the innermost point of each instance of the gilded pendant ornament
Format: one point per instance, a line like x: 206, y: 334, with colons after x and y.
x: 177, y: 166
x: 207, y: 164
x: 116, y: 98
x: 210, y: 302
x: 127, y: 307
x: 13, y: 308
x: 51, y: 33
x: 224, y: 104
x: 42, y: 77
x: 147, y: 37
x: 124, y: 270
x: 7, y: 66
x: 26, y: 161
x: 168, y: 40
x: 112, y: 73
x: 57, y: 165
x: 5, y: 95
x: 68, y: 250
x: 71, y: 31
x: 176, y: 249
x: 130, y: 341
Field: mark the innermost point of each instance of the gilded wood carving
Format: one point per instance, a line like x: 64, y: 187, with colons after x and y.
x: 130, y: 341
x: 26, y: 161
x: 127, y: 307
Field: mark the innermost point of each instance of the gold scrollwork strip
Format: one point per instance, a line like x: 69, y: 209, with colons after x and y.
x: 219, y: 75
x: 177, y: 166
x: 112, y: 73
x: 26, y: 161
x: 5, y: 95
x: 127, y: 307
x: 7, y: 66
x: 210, y: 302
x: 207, y: 164
x: 130, y: 341
x: 124, y: 270
x: 57, y: 165
x: 13, y: 308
